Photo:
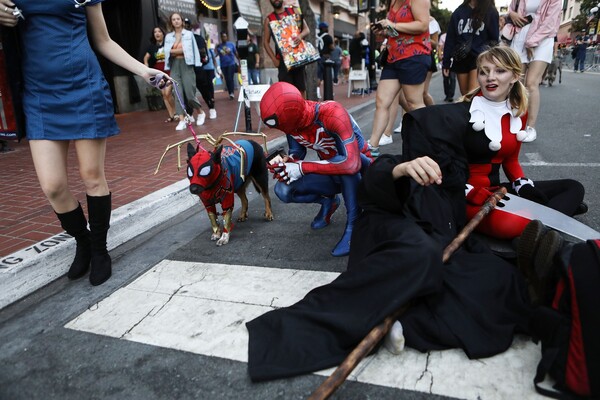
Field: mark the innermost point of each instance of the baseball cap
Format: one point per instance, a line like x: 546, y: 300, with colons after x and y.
x: 345, y: 52
x: 323, y: 25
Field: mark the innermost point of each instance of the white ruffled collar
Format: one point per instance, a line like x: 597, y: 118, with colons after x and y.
x: 487, y: 115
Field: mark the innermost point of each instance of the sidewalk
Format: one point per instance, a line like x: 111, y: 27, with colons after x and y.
x: 28, y: 226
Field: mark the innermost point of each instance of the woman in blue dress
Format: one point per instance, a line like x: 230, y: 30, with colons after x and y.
x: 66, y: 98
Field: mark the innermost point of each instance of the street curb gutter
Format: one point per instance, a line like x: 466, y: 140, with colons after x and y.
x: 29, y: 269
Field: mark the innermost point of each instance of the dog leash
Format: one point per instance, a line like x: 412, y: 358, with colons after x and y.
x: 159, y: 81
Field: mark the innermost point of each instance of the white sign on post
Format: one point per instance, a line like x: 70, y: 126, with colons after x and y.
x: 254, y: 94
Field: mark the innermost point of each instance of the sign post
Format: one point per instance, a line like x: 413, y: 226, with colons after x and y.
x: 241, y: 28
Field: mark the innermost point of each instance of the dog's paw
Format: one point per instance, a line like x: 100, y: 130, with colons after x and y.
x: 224, y: 239
x: 269, y: 217
x: 215, y: 236
x: 243, y: 217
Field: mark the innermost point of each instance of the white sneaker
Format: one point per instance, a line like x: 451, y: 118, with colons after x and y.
x: 399, y: 128
x: 181, y: 126
x: 201, y: 119
x: 394, y: 340
x: 212, y: 113
x: 531, y: 135
x: 385, y: 139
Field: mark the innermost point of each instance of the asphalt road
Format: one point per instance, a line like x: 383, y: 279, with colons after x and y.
x: 42, y: 358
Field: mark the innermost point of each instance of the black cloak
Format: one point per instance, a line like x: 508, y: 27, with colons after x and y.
x: 476, y: 301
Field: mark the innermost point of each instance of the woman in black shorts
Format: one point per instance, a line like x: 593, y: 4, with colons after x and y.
x: 472, y: 29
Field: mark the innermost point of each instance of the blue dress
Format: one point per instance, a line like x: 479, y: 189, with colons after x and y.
x: 65, y: 93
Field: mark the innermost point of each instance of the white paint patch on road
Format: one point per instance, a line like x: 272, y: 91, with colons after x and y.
x: 202, y: 308
x: 535, y: 159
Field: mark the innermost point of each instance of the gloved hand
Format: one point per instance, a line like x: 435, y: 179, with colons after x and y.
x: 286, y: 172
x: 478, y: 196
x: 532, y: 193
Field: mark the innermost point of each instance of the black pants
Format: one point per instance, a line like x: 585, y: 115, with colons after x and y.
x: 204, y: 83
x: 449, y: 85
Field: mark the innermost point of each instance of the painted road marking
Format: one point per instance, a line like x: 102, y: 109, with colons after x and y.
x: 202, y: 308
x: 535, y: 159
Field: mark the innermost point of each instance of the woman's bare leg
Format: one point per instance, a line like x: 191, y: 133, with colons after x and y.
x: 533, y: 77
x: 386, y: 94
x: 50, y: 163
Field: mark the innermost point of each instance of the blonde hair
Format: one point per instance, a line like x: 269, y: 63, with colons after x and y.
x: 508, y: 59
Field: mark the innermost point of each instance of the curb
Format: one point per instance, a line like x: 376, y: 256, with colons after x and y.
x: 29, y: 269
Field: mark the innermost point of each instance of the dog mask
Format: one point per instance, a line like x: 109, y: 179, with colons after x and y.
x: 205, y: 172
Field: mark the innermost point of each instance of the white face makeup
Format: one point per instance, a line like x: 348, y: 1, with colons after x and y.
x: 495, y: 81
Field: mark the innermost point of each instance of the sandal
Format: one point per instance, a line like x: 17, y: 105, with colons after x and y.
x: 172, y: 119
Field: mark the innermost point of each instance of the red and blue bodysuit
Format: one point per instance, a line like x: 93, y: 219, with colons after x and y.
x: 330, y: 131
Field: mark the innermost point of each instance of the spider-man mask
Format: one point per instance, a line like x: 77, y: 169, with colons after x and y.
x: 284, y: 108
x: 203, y: 169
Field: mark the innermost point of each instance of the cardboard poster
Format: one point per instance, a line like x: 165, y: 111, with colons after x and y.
x: 285, y: 29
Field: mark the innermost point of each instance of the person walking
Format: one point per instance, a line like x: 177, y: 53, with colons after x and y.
x: 325, y: 46
x: 449, y: 81
x: 253, y: 61
x: 206, y: 76
x: 75, y: 107
x: 408, y: 60
x: 181, y: 56
x: 155, y: 58
x: 227, y: 53
x: 473, y: 27
x: 580, y: 53
x: 296, y: 76
x: 336, y: 56
x: 345, y: 66
x: 537, y: 23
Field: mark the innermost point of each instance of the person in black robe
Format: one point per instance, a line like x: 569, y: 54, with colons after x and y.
x: 413, y: 206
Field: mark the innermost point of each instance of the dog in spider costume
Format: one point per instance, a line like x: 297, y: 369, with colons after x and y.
x: 330, y: 131
x: 216, y: 176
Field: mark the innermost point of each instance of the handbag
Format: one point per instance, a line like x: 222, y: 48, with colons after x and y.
x: 462, y: 50
x: 381, y: 60
x: 508, y: 30
x: 507, y: 33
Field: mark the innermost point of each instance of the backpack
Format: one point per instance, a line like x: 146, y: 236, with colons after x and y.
x: 570, y: 328
x: 320, y: 42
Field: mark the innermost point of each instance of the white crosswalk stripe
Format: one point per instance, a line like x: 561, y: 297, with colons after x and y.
x: 202, y: 308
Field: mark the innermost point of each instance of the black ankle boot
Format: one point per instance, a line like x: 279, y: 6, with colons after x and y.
x: 75, y: 224
x: 99, y: 208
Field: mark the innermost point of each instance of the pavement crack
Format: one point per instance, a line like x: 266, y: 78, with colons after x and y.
x: 128, y: 331
x: 272, y: 301
x: 425, y: 371
x: 152, y: 313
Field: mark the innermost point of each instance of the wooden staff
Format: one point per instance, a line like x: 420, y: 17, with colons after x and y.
x: 365, y: 347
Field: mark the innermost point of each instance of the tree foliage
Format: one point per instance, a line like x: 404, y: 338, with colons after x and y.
x: 580, y: 22
x: 442, y: 16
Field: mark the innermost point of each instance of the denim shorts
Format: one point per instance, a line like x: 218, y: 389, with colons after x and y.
x: 409, y: 71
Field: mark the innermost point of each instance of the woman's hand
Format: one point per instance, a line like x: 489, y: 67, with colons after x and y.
x: 423, y: 170
x: 530, y: 53
x: 446, y: 72
x: 517, y: 19
x: 7, y: 18
x: 156, y: 78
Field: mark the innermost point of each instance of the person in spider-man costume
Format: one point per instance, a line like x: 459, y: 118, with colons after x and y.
x: 330, y: 131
